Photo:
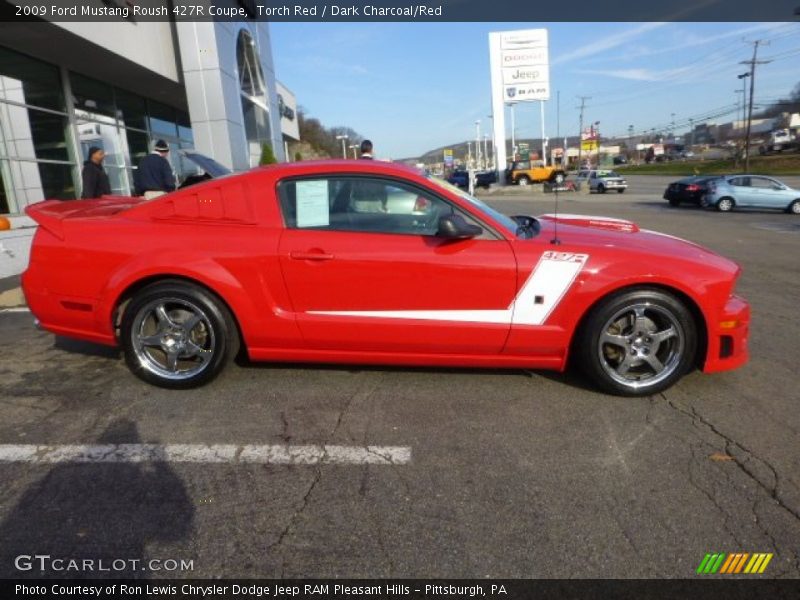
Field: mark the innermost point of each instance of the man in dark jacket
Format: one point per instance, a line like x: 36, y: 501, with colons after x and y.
x: 154, y: 176
x: 95, y: 179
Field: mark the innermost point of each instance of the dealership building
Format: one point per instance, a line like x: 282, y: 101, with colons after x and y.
x: 122, y: 85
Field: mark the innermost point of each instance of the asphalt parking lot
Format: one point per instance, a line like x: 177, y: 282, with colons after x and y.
x: 508, y: 473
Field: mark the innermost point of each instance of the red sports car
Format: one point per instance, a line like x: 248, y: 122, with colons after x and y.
x: 372, y: 263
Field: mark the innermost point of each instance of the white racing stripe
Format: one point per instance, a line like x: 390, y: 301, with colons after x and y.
x: 202, y: 453
x: 542, y: 292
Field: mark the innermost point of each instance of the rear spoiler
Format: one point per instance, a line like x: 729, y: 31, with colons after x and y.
x: 51, y: 214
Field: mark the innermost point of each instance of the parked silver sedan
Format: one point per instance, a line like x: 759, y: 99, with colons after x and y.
x: 751, y: 191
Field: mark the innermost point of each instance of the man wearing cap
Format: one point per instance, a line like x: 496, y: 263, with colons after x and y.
x: 95, y: 178
x: 154, y: 176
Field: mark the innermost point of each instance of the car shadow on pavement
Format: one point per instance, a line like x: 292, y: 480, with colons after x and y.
x: 572, y: 377
x: 105, y: 512
x: 85, y: 348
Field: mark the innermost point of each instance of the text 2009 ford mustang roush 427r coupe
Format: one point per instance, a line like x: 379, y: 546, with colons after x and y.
x: 366, y: 262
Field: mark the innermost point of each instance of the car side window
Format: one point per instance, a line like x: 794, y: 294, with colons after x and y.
x: 763, y: 183
x: 740, y: 181
x: 363, y: 204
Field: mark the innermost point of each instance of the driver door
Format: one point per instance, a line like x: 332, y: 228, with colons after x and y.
x: 366, y: 271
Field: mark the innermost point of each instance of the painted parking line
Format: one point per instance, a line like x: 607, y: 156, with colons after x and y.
x: 208, y: 454
x: 16, y: 309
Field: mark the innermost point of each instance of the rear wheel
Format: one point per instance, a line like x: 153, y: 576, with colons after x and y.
x: 621, y: 191
x: 725, y: 205
x: 674, y: 202
x: 177, y: 335
x: 558, y: 178
x: 794, y: 207
x: 524, y: 180
x: 638, y: 342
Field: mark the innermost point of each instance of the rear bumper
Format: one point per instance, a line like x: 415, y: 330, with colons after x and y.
x: 728, y: 337
x: 69, y: 316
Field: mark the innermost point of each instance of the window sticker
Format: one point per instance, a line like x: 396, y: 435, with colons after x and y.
x: 313, y: 208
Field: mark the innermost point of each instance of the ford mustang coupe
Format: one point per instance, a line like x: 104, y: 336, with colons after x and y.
x: 364, y: 262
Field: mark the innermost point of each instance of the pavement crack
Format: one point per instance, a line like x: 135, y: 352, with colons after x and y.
x: 731, y: 447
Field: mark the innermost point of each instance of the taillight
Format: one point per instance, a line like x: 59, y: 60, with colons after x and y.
x: 692, y: 188
x: 422, y: 204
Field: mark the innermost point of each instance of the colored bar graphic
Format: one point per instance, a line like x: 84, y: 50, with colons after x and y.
x: 727, y: 564
x: 703, y: 563
x: 740, y: 566
x: 765, y: 563
x: 734, y: 563
x: 717, y: 564
x: 754, y: 561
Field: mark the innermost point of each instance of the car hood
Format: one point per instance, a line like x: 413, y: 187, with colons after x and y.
x: 609, y: 233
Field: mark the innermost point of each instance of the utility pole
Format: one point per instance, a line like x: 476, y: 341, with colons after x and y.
x: 583, y: 100
x: 752, y: 64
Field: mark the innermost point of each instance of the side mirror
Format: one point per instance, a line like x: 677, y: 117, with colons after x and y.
x: 455, y: 227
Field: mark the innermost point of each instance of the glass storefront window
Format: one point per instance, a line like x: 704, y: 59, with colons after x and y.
x: 5, y: 205
x: 138, y: 145
x: 57, y: 181
x: 185, y: 128
x: 131, y: 109
x: 29, y: 81
x: 92, y: 95
x: 31, y: 133
x: 162, y: 120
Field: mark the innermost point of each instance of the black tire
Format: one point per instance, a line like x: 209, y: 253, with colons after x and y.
x: 601, y: 189
x: 725, y: 204
x: 621, y: 191
x: 523, y: 180
x: 156, y: 319
x: 674, y: 202
x: 626, y: 362
x: 794, y: 208
x: 558, y: 178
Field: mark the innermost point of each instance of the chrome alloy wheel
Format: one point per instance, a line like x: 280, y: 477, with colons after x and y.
x: 173, y: 338
x: 642, y: 344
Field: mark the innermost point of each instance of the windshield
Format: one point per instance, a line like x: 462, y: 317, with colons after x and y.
x: 607, y: 174
x: 209, y: 165
x: 507, y: 222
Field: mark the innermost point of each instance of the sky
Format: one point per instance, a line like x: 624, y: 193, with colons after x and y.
x: 413, y: 87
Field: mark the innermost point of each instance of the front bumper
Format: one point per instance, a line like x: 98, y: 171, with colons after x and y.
x: 728, y: 336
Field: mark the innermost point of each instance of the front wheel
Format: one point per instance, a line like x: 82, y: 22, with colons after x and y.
x: 177, y: 335
x: 601, y: 189
x: 524, y: 180
x: 621, y: 191
x: 794, y: 208
x: 637, y: 343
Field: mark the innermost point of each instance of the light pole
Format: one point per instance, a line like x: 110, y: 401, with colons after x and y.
x: 477, y: 143
x: 597, y: 135
x: 513, y: 133
x: 691, y: 127
x: 343, y: 137
x: 485, y: 151
x: 354, y: 147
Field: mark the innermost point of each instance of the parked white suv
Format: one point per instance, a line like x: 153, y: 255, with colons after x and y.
x: 600, y: 180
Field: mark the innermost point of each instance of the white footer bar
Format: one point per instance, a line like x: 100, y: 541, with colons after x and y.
x: 201, y: 453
